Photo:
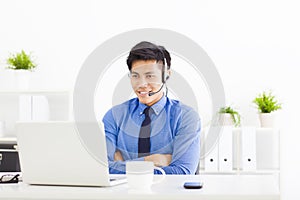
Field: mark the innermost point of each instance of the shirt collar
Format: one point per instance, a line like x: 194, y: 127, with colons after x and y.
x: 157, y: 107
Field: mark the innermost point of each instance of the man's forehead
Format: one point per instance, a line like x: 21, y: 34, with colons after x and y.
x: 146, y: 67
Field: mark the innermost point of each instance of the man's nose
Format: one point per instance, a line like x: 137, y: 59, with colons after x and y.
x: 143, y: 82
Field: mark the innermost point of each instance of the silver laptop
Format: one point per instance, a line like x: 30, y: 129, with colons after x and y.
x: 53, y: 153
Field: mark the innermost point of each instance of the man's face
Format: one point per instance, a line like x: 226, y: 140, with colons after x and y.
x: 146, y: 76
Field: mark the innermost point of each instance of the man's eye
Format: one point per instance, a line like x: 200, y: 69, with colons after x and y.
x: 150, y: 76
x: 134, y: 76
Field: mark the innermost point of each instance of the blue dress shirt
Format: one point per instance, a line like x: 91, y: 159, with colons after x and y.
x: 175, y: 130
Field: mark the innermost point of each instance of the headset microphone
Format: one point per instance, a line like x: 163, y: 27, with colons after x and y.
x: 153, y: 93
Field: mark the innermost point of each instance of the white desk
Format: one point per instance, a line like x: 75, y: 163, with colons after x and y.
x: 216, y: 187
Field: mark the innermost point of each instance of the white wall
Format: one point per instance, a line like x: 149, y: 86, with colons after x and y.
x: 254, y: 44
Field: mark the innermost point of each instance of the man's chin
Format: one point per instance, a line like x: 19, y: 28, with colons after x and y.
x: 144, y: 100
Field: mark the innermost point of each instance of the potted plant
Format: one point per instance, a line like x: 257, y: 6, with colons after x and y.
x: 266, y: 105
x: 22, y: 63
x: 229, y: 116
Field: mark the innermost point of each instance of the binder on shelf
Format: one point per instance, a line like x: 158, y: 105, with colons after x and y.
x: 25, y: 108
x: 40, y: 110
x: 248, y: 150
x: 225, y: 149
x: 211, y: 161
x: 267, y: 158
x: 236, y: 148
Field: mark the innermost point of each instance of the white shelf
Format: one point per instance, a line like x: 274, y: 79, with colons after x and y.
x: 241, y: 172
x: 267, y: 154
x: 34, y: 105
x: 35, y: 92
x: 8, y: 140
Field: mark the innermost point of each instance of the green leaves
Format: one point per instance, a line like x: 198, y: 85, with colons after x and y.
x: 236, y: 117
x: 266, y: 103
x: 20, y: 61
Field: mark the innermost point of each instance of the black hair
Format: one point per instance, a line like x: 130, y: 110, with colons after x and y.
x: 148, y: 51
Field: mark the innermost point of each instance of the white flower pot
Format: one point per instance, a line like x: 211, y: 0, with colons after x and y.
x: 22, y: 79
x: 267, y: 120
x: 225, y: 119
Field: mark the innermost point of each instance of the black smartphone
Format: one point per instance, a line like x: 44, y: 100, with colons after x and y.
x: 193, y: 185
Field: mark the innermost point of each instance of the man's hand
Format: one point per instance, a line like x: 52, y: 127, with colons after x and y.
x: 118, y: 156
x: 159, y: 160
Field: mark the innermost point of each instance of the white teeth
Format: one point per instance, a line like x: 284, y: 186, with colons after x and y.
x: 143, y: 92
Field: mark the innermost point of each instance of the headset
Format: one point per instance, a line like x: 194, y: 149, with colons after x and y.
x: 164, y: 74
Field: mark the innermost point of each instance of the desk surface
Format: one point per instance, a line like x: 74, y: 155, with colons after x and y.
x: 215, y: 187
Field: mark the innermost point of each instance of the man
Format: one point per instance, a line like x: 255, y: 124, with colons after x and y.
x: 152, y: 127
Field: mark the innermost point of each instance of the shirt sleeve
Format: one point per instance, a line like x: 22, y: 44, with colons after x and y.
x: 186, y: 149
x: 111, y: 133
x: 111, y: 143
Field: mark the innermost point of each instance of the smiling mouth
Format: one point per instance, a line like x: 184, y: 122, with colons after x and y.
x: 143, y: 93
x: 140, y: 92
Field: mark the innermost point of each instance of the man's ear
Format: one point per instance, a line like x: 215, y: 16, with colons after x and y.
x: 169, y: 72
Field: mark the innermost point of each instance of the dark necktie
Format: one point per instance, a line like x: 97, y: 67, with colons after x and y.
x: 144, y: 136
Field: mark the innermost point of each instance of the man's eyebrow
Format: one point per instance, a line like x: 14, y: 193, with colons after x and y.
x: 151, y: 72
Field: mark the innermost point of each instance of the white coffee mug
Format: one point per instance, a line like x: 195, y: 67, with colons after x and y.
x: 140, y: 174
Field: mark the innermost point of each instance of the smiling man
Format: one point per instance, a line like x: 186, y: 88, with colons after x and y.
x: 152, y: 127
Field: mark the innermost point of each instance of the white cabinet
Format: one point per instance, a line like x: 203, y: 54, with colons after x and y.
x: 33, y: 106
x: 254, y: 150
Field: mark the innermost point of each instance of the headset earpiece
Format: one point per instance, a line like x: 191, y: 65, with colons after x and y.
x: 165, y: 75
x: 165, y: 66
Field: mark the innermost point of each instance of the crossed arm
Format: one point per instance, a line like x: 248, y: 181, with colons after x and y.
x: 159, y: 160
x: 184, y: 158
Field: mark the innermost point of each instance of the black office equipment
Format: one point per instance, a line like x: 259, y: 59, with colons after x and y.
x: 9, y: 157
